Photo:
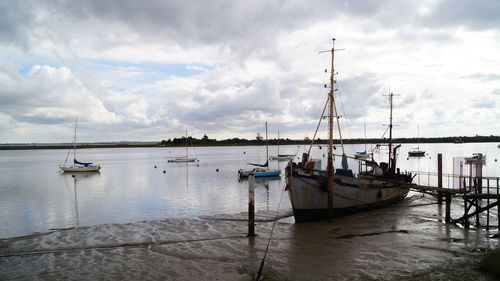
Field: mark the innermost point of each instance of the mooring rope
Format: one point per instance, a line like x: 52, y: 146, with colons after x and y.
x: 270, y: 237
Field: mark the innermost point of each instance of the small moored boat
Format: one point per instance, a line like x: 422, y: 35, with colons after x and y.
x: 78, y: 166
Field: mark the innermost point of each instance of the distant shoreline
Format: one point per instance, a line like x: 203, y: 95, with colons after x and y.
x: 244, y: 142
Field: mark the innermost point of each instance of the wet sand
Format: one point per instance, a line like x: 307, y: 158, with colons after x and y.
x: 403, y: 242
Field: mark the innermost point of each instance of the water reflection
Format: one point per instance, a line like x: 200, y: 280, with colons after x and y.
x: 74, y: 178
x: 35, y: 197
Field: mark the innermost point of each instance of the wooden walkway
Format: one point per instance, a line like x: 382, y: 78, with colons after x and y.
x: 478, y: 194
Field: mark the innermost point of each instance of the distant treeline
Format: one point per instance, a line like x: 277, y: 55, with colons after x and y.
x: 206, y: 141
x: 260, y: 141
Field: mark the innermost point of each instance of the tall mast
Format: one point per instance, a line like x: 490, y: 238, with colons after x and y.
x: 418, y: 136
x: 267, y: 150
x: 390, y: 129
x: 74, y: 140
x: 187, y: 144
x: 278, y: 143
x: 364, y: 126
x: 330, y: 136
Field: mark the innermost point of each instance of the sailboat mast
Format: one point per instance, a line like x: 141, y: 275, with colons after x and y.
x: 364, y: 126
x: 187, y: 144
x: 74, y: 140
x: 330, y: 137
x: 278, y: 143
x: 418, y: 136
x: 267, y: 150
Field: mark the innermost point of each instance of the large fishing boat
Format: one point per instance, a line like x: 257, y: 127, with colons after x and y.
x: 318, y: 194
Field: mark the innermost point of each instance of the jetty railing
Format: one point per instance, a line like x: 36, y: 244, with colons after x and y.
x: 480, y: 195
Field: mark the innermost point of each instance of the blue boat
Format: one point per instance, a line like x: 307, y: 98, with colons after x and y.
x: 262, y: 170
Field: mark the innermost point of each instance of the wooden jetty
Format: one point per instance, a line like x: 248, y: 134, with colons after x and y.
x: 479, y: 194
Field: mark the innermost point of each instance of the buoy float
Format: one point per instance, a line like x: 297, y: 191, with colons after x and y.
x: 155, y: 166
x: 164, y: 171
x: 216, y: 170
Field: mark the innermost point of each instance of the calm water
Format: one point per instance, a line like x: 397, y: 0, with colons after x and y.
x: 35, y: 197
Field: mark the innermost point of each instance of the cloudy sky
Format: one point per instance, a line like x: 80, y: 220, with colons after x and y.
x: 150, y: 70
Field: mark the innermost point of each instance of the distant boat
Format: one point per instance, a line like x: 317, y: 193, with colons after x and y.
x: 262, y: 170
x: 417, y: 152
x: 317, y: 194
x: 281, y: 157
x: 363, y: 154
x: 78, y: 166
x: 459, y: 140
x: 184, y: 158
x: 476, y: 158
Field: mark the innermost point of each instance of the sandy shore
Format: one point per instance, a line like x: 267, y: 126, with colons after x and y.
x: 404, y: 242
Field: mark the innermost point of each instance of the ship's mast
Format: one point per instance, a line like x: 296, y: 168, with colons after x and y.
x: 391, y: 95
x: 330, y: 136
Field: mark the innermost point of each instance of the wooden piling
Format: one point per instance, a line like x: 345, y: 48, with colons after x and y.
x: 487, y: 204
x: 447, y: 218
x: 440, y: 177
x: 251, y: 205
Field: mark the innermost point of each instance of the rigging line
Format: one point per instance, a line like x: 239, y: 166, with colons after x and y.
x: 317, y: 127
x: 345, y: 115
x: 67, y: 155
x: 192, y: 146
x: 338, y: 124
x: 270, y: 236
x: 311, y: 117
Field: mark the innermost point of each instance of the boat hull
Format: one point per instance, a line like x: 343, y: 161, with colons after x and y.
x: 281, y: 158
x: 245, y: 174
x: 91, y: 168
x: 182, y: 160
x: 417, y: 153
x: 309, y: 197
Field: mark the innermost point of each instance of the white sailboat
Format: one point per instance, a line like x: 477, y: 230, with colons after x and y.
x: 281, y: 157
x: 78, y: 166
x: 416, y: 152
x: 317, y: 194
x: 262, y: 170
x: 363, y: 154
x: 184, y: 158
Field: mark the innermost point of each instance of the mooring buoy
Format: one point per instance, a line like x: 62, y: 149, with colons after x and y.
x: 164, y: 171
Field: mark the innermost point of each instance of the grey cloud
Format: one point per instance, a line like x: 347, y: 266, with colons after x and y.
x: 484, y: 104
x: 484, y: 76
x: 478, y: 15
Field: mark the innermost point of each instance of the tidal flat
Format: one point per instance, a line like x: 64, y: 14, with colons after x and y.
x: 407, y: 241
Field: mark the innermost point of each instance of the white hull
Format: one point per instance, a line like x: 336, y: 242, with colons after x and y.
x: 309, y: 196
x: 182, y: 160
x: 364, y: 156
x: 281, y: 158
x: 91, y: 168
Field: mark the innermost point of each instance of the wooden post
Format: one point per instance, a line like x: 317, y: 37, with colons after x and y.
x: 465, y: 221
x: 447, y: 218
x: 440, y: 177
x: 487, y: 204
x: 251, y: 205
